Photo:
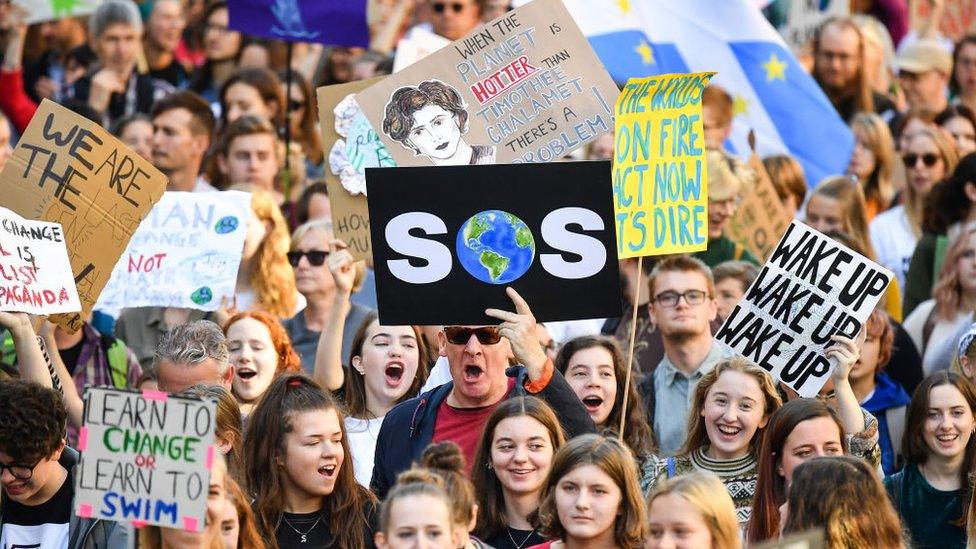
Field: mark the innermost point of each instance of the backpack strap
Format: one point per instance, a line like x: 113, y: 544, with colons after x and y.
x: 670, y: 461
x: 941, y: 246
x: 118, y: 360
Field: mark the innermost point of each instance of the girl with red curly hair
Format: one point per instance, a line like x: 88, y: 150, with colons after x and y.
x: 260, y: 351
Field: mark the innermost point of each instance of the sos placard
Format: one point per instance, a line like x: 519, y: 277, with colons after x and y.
x: 447, y: 241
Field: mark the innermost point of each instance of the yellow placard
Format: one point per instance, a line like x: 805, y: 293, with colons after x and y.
x: 660, y: 181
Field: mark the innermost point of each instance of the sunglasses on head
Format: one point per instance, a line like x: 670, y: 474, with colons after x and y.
x: 458, y: 335
x: 929, y: 159
x: 315, y: 257
x: 441, y: 7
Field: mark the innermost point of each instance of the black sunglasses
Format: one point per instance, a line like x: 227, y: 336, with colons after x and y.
x: 458, y: 335
x: 440, y: 7
x: 929, y: 159
x: 315, y: 257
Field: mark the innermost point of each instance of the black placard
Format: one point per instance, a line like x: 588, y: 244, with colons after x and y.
x: 574, y: 198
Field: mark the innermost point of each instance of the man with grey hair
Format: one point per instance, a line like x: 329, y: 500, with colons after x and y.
x: 193, y: 353
x: 114, y: 88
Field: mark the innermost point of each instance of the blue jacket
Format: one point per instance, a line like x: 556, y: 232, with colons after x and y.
x: 889, y: 398
x: 409, y: 427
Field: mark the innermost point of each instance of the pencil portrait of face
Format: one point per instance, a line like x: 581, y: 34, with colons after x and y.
x: 430, y: 119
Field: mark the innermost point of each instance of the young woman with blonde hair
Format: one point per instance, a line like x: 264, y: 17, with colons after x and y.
x: 694, y: 508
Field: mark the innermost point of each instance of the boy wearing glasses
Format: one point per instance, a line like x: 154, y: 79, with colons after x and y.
x: 478, y: 358
x: 682, y: 305
x: 38, y: 486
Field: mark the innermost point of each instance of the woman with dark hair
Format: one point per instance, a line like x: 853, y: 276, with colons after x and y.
x: 255, y: 92
x: 591, y: 498
x: 300, y: 106
x: 595, y: 368
x: 221, y: 46
x: 843, y: 497
x: 514, y: 457
x: 950, y: 208
x: 430, y: 119
x: 963, y: 81
x: 933, y: 490
x: 960, y: 122
x: 801, y: 430
x: 299, y: 470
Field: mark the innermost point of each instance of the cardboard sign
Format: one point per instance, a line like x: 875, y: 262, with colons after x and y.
x: 811, y: 288
x: 660, y: 176
x: 759, y: 219
x: 337, y: 23
x: 184, y: 254
x: 525, y: 87
x: 958, y: 18
x: 67, y: 169
x: 351, y: 146
x: 145, y: 458
x: 35, y: 275
x: 48, y: 10
x: 444, y: 252
x: 417, y: 45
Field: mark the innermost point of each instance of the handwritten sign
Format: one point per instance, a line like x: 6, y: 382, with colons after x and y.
x: 525, y: 87
x: 184, y: 254
x: 811, y: 288
x: 760, y: 218
x: 35, y: 275
x: 660, y: 180
x: 418, y: 44
x: 67, y: 169
x: 49, y: 10
x: 958, y: 17
x: 806, y: 16
x: 351, y: 145
x: 145, y: 458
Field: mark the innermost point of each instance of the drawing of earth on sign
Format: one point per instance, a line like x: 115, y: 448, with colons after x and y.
x: 495, y: 247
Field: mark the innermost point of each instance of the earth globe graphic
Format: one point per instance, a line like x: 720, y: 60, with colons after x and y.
x: 495, y: 247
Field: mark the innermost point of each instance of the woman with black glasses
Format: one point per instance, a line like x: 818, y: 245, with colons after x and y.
x: 308, y: 255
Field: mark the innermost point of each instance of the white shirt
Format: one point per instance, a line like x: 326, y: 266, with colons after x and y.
x: 362, y: 434
x: 893, y: 240
x: 937, y: 355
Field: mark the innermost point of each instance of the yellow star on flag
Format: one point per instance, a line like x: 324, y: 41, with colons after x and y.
x: 740, y: 105
x: 775, y: 69
x: 644, y: 50
x: 623, y: 6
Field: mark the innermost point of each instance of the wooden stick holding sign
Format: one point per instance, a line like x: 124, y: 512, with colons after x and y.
x: 660, y: 179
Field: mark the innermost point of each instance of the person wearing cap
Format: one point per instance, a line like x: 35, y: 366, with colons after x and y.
x: 924, y: 68
x: 728, y: 181
x: 839, y: 69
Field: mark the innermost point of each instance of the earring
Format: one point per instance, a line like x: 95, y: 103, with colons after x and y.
x: 488, y: 465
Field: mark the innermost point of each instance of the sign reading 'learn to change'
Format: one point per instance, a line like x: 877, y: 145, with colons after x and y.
x: 446, y: 250
x: 145, y: 458
x: 660, y: 179
x: 811, y: 288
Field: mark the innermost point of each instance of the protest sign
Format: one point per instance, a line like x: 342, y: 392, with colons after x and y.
x: 418, y: 44
x: 145, y: 458
x: 445, y: 252
x: 184, y: 254
x: 351, y: 146
x: 660, y: 180
x: 332, y: 22
x: 760, y: 219
x: 958, y: 17
x: 67, y: 169
x: 806, y: 16
x: 811, y: 288
x: 525, y: 87
x: 35, y: 274
x: 49, y: 10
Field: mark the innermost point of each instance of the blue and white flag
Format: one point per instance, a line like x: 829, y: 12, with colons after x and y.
x: 772, y: 93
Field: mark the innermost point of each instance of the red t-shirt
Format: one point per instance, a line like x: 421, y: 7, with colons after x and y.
x: 545, y: 545
x: 463, y: 426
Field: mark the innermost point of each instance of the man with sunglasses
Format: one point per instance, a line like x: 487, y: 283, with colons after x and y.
x: 682, y: 305
x: 36, y: 475
x: 478, y: 358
